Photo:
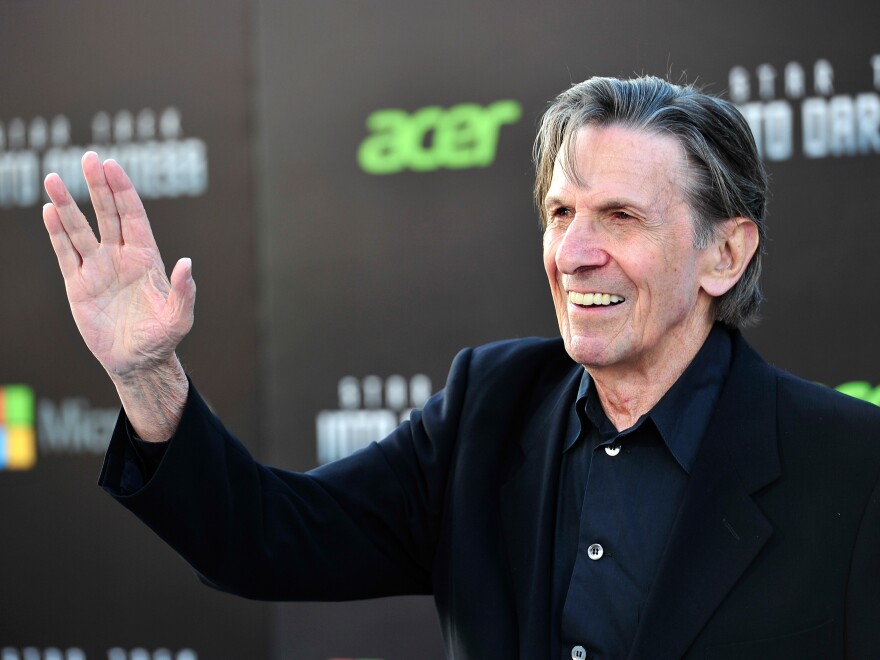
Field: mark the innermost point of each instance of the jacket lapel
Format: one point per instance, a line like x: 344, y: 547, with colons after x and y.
x: 719, y: 530
x: 528, y: 512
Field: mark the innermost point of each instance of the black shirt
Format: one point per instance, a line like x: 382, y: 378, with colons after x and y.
x: 619, y: 494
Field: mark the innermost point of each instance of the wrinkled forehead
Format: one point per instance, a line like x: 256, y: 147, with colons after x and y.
x: 631, y: 154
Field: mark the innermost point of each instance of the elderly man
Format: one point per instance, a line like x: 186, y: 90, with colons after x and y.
x: 645, y: 487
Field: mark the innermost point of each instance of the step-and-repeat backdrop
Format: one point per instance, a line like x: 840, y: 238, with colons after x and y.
x: 353, y: 183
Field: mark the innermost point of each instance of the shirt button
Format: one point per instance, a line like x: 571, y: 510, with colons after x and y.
x: 612, y: 450
x: 578, y: 653
x: 595, y: 551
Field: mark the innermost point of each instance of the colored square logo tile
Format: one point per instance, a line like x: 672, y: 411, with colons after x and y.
x: 18, y: 441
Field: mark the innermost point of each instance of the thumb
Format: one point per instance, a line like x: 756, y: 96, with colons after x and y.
x: 182, y: 298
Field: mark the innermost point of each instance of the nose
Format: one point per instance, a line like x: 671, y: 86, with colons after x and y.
x: 581, y: 247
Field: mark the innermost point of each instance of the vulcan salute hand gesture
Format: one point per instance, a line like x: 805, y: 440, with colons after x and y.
x: 131, y: 316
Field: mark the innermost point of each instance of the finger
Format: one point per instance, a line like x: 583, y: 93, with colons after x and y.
x: 74, y: 222
x: 68, y: 257
x: 182, y: 298
x: 132, y: 217
x: 102, y: 199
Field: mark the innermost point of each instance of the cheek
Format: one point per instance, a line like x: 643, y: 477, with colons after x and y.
x: 550, y: 245
x: 655, y: 272
x: 550, y: 267
x: 650, y: 275
x: 668, y: 294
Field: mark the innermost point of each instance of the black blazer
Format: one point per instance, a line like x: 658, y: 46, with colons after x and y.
x: 775, y: 552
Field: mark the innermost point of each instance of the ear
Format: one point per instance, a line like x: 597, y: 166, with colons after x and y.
x: 733, y: 247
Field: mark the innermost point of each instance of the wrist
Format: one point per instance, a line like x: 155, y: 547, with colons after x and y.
x: 154, y: 398
x: 167, y: 370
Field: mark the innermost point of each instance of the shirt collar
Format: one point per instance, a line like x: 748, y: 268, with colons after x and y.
x: 683, y: 413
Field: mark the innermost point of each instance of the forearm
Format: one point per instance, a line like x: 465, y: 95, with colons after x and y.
x: 154, y: 400
x: 267, y: 533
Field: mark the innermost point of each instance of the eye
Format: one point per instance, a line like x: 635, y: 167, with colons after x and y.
x: 561, y: 212
x: 622, y: 215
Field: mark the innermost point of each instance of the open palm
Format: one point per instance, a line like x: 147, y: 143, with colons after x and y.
x: 129, y: 313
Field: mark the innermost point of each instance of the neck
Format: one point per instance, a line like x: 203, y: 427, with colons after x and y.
x: 629, y: 391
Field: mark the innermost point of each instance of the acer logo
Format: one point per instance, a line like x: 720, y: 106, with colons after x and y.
x: 463, y: 136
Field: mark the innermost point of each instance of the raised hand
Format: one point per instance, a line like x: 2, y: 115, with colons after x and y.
x: 131, y: 316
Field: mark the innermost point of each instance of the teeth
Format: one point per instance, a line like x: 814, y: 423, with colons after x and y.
x: 594, y: 298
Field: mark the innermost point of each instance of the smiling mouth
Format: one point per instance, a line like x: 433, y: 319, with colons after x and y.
x: 592, y: 299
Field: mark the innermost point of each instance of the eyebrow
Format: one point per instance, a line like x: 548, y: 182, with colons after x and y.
x: 620, y: 202
x: 615, y: 203
x: 552, y: 202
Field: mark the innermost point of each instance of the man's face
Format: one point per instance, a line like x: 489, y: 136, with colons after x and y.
x: 622, y: 235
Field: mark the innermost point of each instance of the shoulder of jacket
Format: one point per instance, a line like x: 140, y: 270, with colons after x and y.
x: 517, y: 363
x: 818, y: 404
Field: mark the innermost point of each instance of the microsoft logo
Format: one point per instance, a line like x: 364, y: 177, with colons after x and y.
x: 18, y: 441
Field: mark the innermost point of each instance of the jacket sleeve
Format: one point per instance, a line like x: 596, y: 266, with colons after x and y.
x: 362, y: 527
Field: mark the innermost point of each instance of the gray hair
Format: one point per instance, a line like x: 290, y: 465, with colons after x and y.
x: 727, y: 179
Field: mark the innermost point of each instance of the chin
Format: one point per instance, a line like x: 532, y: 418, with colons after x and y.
x: 587, y: 351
